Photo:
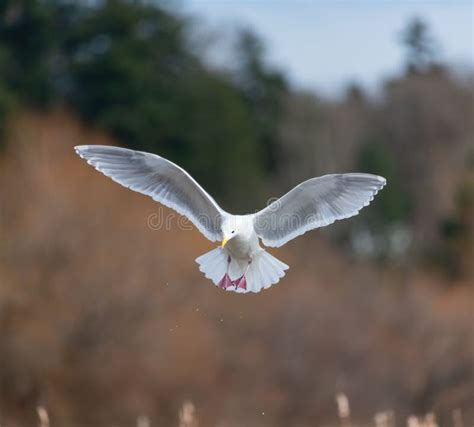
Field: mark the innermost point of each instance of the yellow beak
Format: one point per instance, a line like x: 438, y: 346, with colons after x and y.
x: 224, y: 242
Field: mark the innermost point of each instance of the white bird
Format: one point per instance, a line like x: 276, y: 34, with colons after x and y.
x: 239, y: 264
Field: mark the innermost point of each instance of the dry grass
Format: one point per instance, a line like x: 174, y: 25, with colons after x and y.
x: 103, y: 319
x: 187, y: 417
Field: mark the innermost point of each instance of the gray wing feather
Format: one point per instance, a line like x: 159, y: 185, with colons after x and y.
x: 160, y: 179
x: 315, y: 203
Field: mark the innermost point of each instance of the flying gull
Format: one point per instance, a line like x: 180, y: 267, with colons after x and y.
x: 239, y: 264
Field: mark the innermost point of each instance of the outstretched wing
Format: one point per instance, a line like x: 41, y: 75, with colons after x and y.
x: 160, y: 179
x: 315, y: 203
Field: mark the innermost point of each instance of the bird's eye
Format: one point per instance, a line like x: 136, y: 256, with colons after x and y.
x: 233, y: 231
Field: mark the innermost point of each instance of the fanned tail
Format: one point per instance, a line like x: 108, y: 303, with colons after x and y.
x: 264, y: 271
x: 239, y: 275
x: 213, y: 264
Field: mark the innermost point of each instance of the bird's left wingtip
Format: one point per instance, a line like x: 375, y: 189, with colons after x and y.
x: 382, y: 180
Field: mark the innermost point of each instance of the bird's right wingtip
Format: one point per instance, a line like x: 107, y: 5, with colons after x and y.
x: 80, y: 148
x: 83, y: 151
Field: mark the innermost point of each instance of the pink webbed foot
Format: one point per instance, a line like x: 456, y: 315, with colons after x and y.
x: 241, y: 283
x: 225, y: 282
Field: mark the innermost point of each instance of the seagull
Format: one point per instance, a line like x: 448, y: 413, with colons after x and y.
x: 239, y: 263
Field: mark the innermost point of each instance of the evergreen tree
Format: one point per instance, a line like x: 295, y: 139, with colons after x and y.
x: 420, y: 45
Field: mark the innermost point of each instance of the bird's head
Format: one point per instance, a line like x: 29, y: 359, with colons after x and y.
x: 227, y: 236
x: 230, y: 229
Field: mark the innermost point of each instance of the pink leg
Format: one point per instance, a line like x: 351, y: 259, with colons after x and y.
x: 225, y: 282
x: 241, y: 282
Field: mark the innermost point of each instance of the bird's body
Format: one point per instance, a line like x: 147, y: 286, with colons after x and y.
x: 240, y: 264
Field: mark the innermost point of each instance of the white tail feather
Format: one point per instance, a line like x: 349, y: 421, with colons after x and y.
x: 213, y: 264
x: 264, y: 270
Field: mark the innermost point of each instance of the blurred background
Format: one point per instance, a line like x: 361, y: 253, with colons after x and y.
x: 104, y: 319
